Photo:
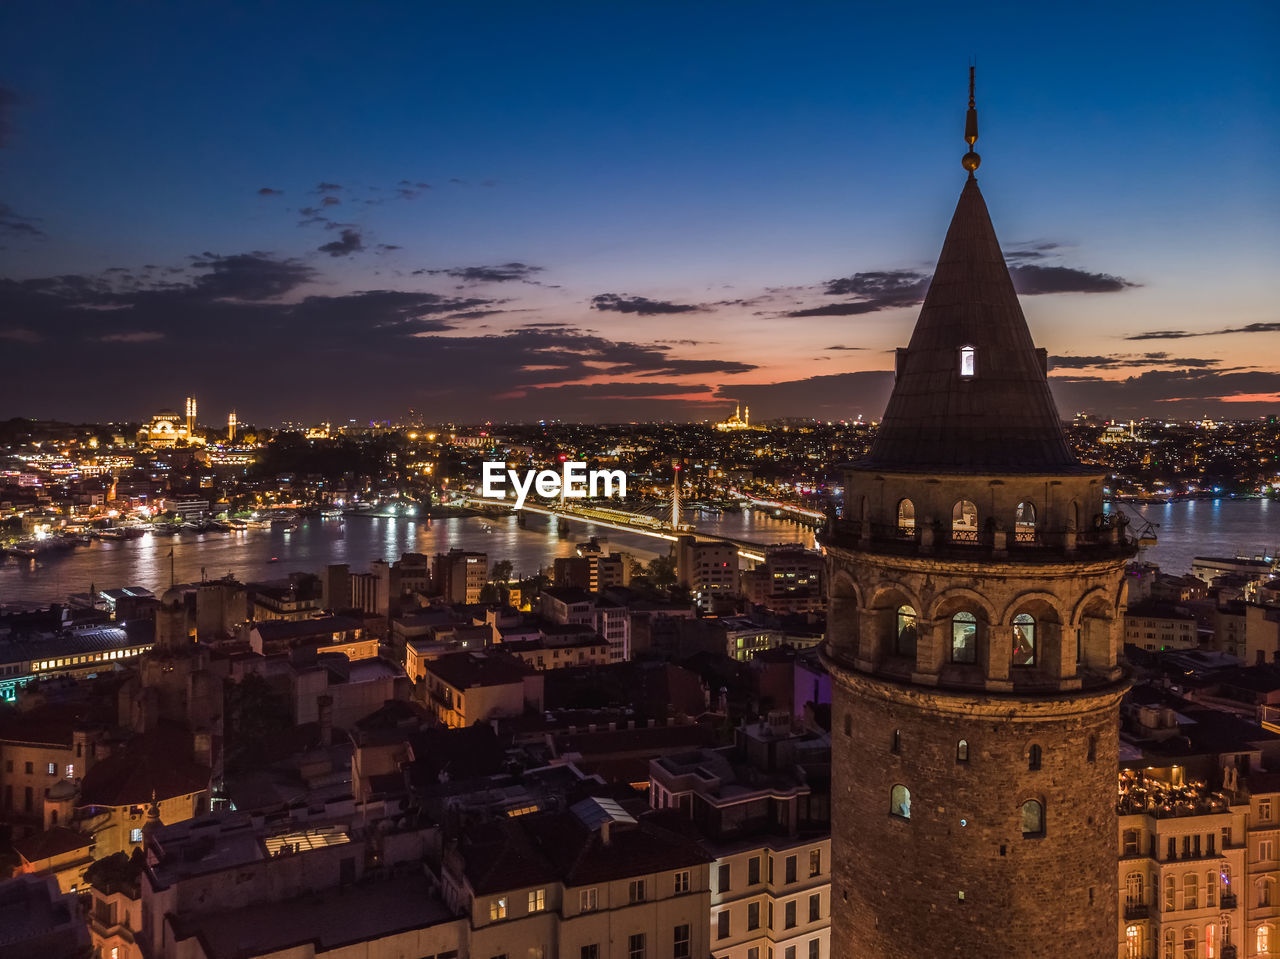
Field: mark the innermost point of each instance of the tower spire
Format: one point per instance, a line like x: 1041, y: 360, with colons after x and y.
x: 971, y: 160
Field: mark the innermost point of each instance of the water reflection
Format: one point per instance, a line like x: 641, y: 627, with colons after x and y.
x: 258, y: 554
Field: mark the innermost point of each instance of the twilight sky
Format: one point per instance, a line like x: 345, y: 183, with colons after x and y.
x: 622, y: 210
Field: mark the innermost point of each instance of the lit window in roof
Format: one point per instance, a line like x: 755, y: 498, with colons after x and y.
x: 967, y: 360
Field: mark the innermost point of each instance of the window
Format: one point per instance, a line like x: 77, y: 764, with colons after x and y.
x: 588, y: 900
x: 753, y: 916
x: 900, y: 802
x: 537, y: 900
x: 1133, y: 942
x: 964, y: 638
x: 722, y: 925
x: 962, y: 751
x: 904, y: 643
x: 71, y: 771
x: 1211, y: 888
x: 906, y: 517
x: 1092, y: 755
x: 1211, y: 840
x: 1262, y: 940
x: 790, y: 872
x: 815, y: 862
x: 753, y: 870
x: 590, y: 952
x: 1264, y: 810
x: 1133, y: 889
x: 1264, y: 850
x: 1191, y: 891
x: 635, y: 946
x: 1172, y: 851
x: 1034, y: 755
x: 1170, y: 944
x: 753, y: 952
x: 968, y: 361
x: 680, y: 942
x: 135, y: 835
x: 1266, y: 891
x: 815, y: 949
x: 1189, y: 942
x: 1170, y: 894
x: 964, y: 522
x: 1211, y: 941
x: 30, y: 769
x: 635, y: 890
x: 1032, y: 818
x: 1024, y: 640
x: 53, y: 769
x: 498, y: 908
x: 1024, y: 524
x: 789, y: 915
x: 815, y: 907
x: 723, y: 878
x: 1130, y: 842
x: 789, y: 952
x: 682, y: 881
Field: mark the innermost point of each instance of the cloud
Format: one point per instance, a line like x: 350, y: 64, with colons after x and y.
x: 268, y: 191
x: 640, y: 305
x: 330, y: 201
x: 409, y: 189
x: 1185, y: 334
x: 838, y: 347
x: 135, y: 336
x: 350, y: 242
x: 1031, y: 280
x: 1031, y: 251
x: 504, y: 273
x: 248, y: 276
x: 19, y: 334
x: 1172, y: 393
x: 1117, y: 361
x: 875, y: 291
x: 323, y: 187
x: 13, y: 224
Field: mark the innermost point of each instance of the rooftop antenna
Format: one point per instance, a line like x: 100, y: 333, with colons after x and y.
x: 971, y: 160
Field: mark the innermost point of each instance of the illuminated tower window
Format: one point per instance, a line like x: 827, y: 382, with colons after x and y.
x: 967, y: 361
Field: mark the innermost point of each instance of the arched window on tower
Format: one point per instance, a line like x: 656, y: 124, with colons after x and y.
x: 964, y: 638
x: 1033, y: 757
x: 962, y: 751
x: 1092, y: 754
x: 1024, y: 523
x: 895, y: 744
x: 964, y: 522
x: 1024, y: 640
x: 906, y: 518
x: 1032, y: 819
x: 900, y: 801
x: 904, y: 639
x: 968, y: 362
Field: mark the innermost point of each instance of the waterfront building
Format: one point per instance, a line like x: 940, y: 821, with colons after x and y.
x: 460, y: 575
x: 709, y: 569
x: 974, y: 631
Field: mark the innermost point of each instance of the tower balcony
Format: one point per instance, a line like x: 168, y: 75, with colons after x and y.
x: 1107, y: 539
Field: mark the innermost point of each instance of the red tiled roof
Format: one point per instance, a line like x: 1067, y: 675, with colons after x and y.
x: 52, y: 842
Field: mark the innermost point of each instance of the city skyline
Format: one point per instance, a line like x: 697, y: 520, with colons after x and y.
x: 620, y: 214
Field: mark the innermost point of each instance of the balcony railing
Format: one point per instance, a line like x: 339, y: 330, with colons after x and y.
x: 1136, y: 911
x: 1228, y: 900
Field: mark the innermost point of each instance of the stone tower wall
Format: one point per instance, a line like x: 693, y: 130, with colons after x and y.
x: 897, y: 882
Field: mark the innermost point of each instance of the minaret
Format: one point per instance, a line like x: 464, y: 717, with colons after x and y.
x: 746, y: 417
x: 191, y: 417
x: 231, y: 428
x: 675, y: 496
x: 974, y: 629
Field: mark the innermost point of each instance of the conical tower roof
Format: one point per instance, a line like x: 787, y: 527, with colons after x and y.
x: 999, y: 419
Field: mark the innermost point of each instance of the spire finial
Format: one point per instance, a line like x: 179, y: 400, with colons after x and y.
x: 971, y: 160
